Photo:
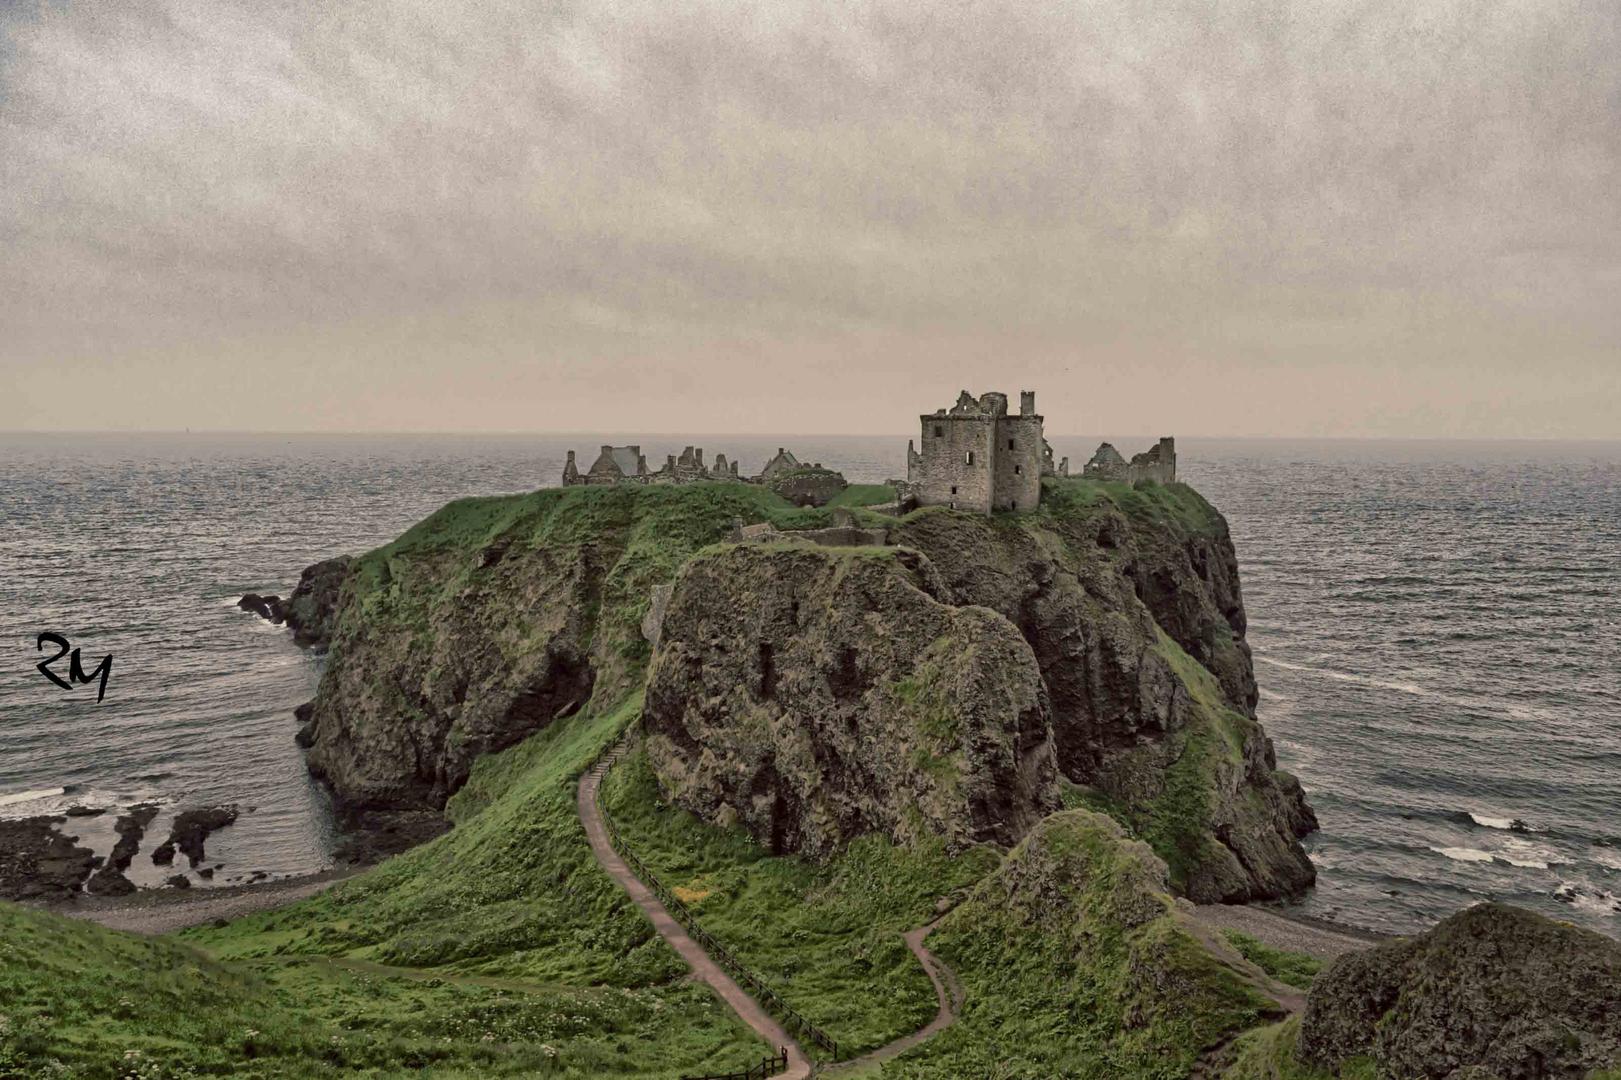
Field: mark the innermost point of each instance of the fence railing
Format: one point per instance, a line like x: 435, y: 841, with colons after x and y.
x: 770, y: 1066
x: 768, y: 998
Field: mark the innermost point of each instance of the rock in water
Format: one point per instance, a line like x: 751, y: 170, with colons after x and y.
x: 190, y: 829
x: 312, y: 609
x: 266, y: 607
x: 818, y: 694
x: 39, y: 863
x: 1494, y: 989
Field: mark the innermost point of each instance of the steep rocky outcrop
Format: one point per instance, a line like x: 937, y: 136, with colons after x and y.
x: 488, y: 621
x: 312, y: 610
x: 818, y: 694
x: 1131, y: 603
x: 1102, y: 634
x: 1493, y: 991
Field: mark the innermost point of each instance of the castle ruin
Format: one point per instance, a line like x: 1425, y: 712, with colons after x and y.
x: 627, y: 464
x: 976, y: 456
x: 1158, y: 464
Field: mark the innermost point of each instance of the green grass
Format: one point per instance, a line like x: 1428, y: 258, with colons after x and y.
x: 1290, y: 968
x: 1156, y: 505
x: 827, y: 936
x: 511, y: 903
x: 1269, y: 1054
x: 864, y: 495
x: 1075, y: 965
x: 81, y: 1001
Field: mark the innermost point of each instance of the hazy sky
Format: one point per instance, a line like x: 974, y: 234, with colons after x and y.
x: 1385, y: 217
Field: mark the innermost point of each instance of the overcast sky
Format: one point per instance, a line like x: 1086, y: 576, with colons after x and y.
x: 1387, y: 217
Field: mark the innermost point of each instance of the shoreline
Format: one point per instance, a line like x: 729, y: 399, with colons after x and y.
x: 1282, y: 929
x: 164, y: 911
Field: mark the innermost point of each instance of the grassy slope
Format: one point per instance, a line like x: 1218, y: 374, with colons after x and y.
x: 1269, y: 1054
x: 1290, y: 968
x: 827, y: 936
x: 864, y: 495
x: 512, y: 900
x: 1076, y: 966
x: 477, y: 952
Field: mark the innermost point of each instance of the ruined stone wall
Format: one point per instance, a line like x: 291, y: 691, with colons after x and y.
x: 957, y: 462
x: 1018, y: 463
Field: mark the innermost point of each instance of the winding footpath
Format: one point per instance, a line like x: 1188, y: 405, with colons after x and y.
x: 947, y: 988
x: 747, y: 1009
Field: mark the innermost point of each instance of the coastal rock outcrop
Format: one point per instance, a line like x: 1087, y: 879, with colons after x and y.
x: 1101, y: 635
x: 311, y: 611
x: 1493, y: 991
x: 488, y: 621
x: 190, y: 830
x: 1132, y: 607
x: 266, y: 607
x: 39, y: 863
x: 816, y: 694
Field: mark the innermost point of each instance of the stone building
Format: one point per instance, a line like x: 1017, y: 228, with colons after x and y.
x: 976, y: 456
x: 688, y: 467
x: 783, y: 462
x: 614, y: 464
x: 1158, y: 463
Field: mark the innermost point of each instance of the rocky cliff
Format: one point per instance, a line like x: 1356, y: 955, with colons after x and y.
x: 818, y: 694
x: 962, y: 681
x: 1127, y: 602
x: 1493, y: 991
x: 489, y: 620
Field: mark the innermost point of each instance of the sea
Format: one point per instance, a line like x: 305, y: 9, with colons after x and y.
x: 1436, y: 628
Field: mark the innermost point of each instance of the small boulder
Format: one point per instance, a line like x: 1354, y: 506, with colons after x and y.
x: 178, y: 881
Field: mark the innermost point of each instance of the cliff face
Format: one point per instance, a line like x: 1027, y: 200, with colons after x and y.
x: 1090, y: 652
x: 489, y: 620
x: 1127, y: 602
x: 818, y: 694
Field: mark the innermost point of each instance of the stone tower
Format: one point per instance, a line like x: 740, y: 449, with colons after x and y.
x: 975, y: 456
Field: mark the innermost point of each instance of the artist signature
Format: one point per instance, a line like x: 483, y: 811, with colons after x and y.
x: 75, y: 666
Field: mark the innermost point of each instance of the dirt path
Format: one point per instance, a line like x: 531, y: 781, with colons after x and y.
x: 747, y: 1009
x: 947, y: 990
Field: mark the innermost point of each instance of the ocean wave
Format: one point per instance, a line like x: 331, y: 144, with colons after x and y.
x: 1348, y: 677
x: 1464, y: 854
x: 18, y: 797
x: 1587, y: 898
x: 1508, y: 824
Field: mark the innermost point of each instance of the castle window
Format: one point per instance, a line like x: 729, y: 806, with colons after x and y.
x: 1010, y: 444
x: 939, y: 432
x: 954, y: 489
x: 969, y: 457
x: 1018, y: 470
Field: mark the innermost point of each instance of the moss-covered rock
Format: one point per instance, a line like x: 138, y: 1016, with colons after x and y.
x: 1077, y: 963
x: 1495, y: 989
x: 492, y: 618
x: 1130, y: 601
x: 817, y: 694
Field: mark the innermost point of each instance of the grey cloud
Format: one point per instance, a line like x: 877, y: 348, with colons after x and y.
x: 1218, y: 193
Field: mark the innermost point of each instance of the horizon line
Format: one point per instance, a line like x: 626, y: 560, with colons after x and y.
x: 512, y: 433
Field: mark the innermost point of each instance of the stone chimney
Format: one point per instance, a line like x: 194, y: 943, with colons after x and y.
x: 1027, y: 403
